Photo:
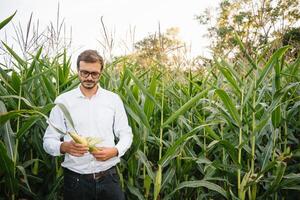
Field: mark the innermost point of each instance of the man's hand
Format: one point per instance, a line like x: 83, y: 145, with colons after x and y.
x: 73, y: 148
x: 105, y: 153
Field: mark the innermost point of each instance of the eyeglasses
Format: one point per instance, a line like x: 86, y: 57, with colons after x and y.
x: 85, y: 74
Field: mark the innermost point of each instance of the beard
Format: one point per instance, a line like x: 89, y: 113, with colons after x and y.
x: 88, y: 84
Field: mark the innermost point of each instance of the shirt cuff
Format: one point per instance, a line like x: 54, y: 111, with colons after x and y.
x: 57, y: 149
x: 121, y: 151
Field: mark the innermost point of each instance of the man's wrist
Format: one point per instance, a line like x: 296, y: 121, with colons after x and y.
x: 116, y: 152
x: 62, y: 148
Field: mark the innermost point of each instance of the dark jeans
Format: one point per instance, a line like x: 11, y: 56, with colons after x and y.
x: 83, y: 187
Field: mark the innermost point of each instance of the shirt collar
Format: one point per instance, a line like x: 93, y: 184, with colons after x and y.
x: 78, y: 92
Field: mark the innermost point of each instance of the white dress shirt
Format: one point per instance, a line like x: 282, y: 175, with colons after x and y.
x: 102, y: 116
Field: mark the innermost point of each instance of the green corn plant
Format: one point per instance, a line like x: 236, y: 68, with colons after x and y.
x: 30, y: 85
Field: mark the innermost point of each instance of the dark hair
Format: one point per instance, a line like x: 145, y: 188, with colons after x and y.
x: 90, y: 56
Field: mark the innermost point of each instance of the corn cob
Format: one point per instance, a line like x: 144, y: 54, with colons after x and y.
x: 87, y: 141
x: 78, y: 139
x: 92, y: 144
x: 93, y: 149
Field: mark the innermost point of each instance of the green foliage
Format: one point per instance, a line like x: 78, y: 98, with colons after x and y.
x: 230, y: 131
x: 160, y: 47
x: 258, y: 23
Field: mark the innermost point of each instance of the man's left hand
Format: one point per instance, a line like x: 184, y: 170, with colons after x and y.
x: 105, y: 153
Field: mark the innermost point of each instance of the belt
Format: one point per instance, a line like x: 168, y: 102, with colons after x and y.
x: 93, y: 176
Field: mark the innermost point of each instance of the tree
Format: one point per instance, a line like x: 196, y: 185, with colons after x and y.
x: 257, y: 23
x: 165, y: 48
x: 292, y: 37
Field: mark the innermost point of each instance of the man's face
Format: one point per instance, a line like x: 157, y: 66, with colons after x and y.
x: 89, y: 74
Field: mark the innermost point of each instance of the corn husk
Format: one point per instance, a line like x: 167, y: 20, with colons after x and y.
x: 78, y: 139
x: 90, y: 142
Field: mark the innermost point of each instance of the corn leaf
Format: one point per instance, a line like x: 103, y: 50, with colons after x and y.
x: 7, y: 133
x: 229, y: 105
x: 7, y: 166
x: 271, y: 62
x: 185, y: 107
x: 145, y: 161
x: 200, y: 183
x: 7, y: 20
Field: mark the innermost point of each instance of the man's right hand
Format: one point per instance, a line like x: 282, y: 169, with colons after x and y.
x: 73, y: 148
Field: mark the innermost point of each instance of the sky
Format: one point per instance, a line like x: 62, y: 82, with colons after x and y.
x: 120, y: 17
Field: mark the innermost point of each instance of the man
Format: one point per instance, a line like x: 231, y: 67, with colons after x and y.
x: 98, y: 113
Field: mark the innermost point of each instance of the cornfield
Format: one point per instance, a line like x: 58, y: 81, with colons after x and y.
x: 229, y: 131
